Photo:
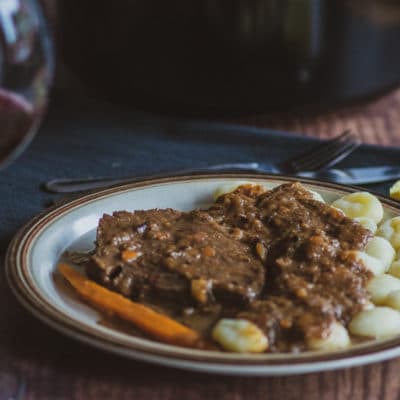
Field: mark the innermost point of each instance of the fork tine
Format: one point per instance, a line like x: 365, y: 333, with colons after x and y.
x: 325, y: 154
x: 333, y: 158
x: 304, y: 157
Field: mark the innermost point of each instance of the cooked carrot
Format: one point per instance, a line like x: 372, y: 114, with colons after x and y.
x: 155, y: 324
x: 129, y: 255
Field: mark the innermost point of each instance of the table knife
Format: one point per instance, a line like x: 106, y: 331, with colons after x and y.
x: 356, y: 176
x: 350, y: 176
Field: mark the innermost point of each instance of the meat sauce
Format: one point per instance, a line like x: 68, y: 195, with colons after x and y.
x: 277, y: 258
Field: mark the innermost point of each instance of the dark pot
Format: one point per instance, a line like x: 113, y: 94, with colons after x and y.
x: 232, y: 55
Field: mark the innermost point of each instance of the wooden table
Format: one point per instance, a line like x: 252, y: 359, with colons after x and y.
x: 376, y: 121
x: 38, y: 363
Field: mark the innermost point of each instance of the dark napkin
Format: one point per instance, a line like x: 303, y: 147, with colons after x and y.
x: 84, y: 138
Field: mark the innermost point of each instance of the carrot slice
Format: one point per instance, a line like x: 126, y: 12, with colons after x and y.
x: 129, y: 255
x: 155, y: 324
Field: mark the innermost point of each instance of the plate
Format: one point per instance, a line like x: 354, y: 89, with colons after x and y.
x: 35, y: 250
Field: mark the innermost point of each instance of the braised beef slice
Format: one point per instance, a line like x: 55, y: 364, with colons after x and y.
x: 137, y: 232
x: 177, y: 255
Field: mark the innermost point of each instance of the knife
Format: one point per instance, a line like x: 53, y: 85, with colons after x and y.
x: 350, y: 176
x: 356, y: 176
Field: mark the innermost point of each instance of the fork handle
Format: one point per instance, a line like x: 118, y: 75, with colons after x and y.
x: 65, y: 185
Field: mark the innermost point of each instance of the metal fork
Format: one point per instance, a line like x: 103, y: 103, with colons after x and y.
x: 324, y: 155
x: 321, y: 157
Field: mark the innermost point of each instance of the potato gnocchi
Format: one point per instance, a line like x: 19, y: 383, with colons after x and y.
x: 390, y: 230
x: 380, y: 286
x: 367, y: 223
x: 377, y: 323
x: 360, y: 204
x: 393, y: 300
x: 338, y: 338
x: 395, y: 268
x: 373, y: 264
x: 382, y: 250
x: 240, y: 336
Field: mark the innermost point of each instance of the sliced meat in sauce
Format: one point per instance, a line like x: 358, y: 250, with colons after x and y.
x: 278, y: 258
x: 165, y: 253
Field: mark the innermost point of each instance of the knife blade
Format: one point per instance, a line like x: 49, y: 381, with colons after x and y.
x: 356, y: 176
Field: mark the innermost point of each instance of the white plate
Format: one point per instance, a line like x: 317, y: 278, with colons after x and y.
x: 34, y: 252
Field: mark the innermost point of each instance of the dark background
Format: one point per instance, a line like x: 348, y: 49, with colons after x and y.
x: 228, y: 57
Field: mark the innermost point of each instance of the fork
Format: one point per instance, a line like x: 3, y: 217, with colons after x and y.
x: 321, y: 157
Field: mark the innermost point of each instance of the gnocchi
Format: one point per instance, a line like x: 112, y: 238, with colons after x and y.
x: 390, y: 230
x: 373, y: 264
x: 240, y: 336
x: 378, y: 322
x: 394, y: 191
x: 393, y: 300
x: 395, y: 268
x: 338, y: 338
x: 381, y: 249
x: 360, y: 204
x: 380, y: 286
x: 367, y: 223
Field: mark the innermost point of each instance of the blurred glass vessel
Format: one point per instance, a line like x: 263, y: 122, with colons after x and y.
x: 26, y: 70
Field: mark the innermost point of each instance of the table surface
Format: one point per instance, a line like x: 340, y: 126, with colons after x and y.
x: 38, y: 363
x: 375, y: 121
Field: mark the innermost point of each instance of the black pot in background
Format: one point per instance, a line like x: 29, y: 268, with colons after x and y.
x: 232, y: 55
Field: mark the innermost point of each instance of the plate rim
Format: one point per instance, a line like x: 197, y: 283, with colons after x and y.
x: 16, y: 265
